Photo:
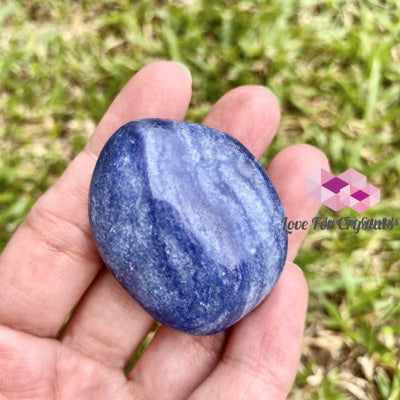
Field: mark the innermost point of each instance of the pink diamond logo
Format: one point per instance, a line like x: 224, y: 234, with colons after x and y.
x: 353, y: 177
x: 347, y: 189
x: 359, y: 195
x: 335, y: 184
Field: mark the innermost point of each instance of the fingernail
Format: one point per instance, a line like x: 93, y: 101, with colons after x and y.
x: 270, y: 91
x: 295, y: 265
x: 185, y: 68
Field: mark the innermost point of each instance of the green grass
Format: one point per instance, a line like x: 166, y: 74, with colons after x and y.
x: 335, y: 67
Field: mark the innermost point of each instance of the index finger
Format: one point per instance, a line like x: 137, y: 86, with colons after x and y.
x: 52, y: 259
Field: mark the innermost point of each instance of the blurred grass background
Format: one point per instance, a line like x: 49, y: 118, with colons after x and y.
x: 335, y: 67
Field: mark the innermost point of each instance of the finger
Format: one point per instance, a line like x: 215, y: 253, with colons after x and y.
x: 262, y: 354
x: 108, y: 324
x: 288, y: 171
x: 249, y: 113
x: 263, y: 350
x: 175, y: 363
x: 52, y: 259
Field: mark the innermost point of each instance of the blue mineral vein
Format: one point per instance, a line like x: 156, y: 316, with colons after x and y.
x: 188, y: 222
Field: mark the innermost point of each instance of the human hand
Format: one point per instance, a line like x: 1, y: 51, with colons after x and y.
x: 51, y: 265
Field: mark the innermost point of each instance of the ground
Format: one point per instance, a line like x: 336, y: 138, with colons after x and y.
x: 335, y: 68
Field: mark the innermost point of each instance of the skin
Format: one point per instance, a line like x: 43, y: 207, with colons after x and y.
x: 51, y: 266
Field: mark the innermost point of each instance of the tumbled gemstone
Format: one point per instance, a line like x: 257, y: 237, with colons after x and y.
x: 188, y: 222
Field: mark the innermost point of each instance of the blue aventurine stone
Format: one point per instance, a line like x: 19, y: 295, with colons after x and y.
x: 188, y: 222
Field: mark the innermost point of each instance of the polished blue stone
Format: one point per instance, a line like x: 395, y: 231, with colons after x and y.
x: 188, y: 222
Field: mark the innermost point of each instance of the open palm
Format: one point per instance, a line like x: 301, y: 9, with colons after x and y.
x: 51, y: 265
